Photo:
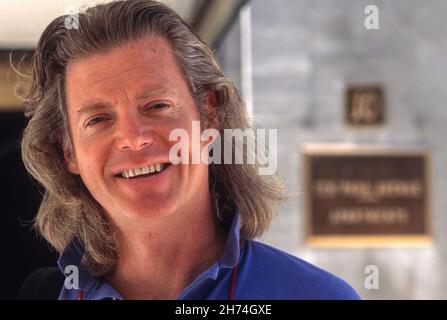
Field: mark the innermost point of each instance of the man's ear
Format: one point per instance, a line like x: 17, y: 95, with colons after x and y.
x: 209, y: 106
x: 70, y: 159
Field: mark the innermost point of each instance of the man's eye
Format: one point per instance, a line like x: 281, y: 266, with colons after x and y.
x: 94, y: 121
x: 158, y: 105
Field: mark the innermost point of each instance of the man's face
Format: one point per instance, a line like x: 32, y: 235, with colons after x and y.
x: 122, y: 105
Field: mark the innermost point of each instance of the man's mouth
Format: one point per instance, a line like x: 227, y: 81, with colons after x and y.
x: 143, y: 172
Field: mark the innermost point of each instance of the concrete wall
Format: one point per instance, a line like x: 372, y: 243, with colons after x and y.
x: 305, y: 53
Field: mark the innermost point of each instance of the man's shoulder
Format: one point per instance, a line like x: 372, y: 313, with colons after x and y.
x: 292, y: 277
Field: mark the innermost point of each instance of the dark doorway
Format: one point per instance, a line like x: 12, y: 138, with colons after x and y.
x: 22, y: 251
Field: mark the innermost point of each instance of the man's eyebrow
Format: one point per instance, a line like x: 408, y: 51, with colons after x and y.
x: 154, y: 93
x: 91, y: 107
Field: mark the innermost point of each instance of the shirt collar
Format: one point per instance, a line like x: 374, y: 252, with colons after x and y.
x: 72, y: 256
x: 232, y: 250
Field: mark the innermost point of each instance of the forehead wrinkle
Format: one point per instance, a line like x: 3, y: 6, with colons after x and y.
x: 112, y: 77
x: 123, y: 89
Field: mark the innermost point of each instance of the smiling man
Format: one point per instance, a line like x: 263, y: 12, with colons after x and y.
x: 102, y: 103
x: 121, y: 107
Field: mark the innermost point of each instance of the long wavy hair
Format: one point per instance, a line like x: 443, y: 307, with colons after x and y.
x: 68, y: 210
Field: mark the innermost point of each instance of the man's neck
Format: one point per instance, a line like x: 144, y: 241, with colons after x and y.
x: 158, y: 263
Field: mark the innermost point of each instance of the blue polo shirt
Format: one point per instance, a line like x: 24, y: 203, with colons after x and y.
x: 262, y: 272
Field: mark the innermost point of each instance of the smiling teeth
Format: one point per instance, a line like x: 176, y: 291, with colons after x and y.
x: 140, y: 171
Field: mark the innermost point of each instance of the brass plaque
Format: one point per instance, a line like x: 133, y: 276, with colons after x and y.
x: 365, y: 106
x: 356, y: 196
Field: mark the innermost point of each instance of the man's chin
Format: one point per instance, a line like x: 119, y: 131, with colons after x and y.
x: 148, y: 211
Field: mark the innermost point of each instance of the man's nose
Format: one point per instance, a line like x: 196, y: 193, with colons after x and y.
x: 133, y: 133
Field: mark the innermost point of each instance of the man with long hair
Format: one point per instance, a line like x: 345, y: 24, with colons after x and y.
x: 102, y: 101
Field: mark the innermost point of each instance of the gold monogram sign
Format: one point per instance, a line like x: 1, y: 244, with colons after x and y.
x: 365, y: 106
